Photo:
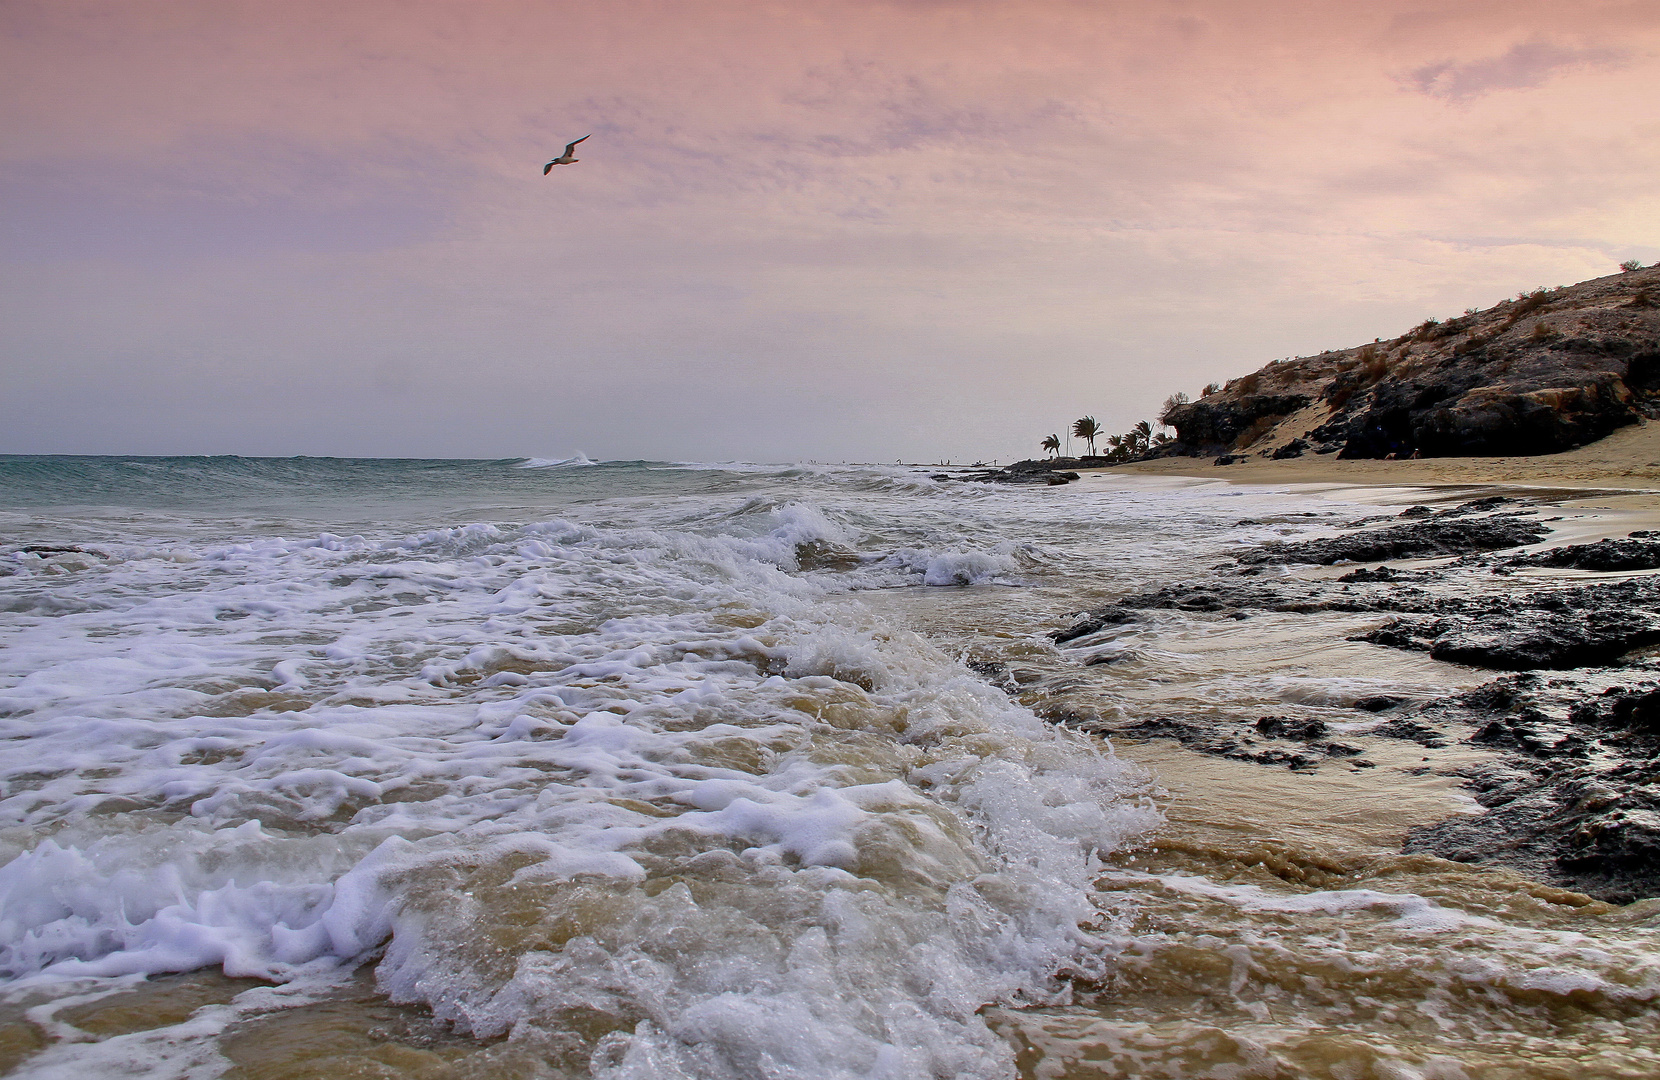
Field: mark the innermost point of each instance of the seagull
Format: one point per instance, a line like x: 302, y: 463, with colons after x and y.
x: 565, y: 158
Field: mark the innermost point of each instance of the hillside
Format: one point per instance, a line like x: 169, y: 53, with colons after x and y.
x: 1546, y: 372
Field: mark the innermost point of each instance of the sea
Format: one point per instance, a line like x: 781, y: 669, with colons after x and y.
x: 330, y: 768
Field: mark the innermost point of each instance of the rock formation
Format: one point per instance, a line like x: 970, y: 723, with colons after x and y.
x: 1571, y: 790
x: 1548, y: 371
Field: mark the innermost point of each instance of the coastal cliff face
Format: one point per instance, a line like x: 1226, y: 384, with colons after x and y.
x: 1548, y: 371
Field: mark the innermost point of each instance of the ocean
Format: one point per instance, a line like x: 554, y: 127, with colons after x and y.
x: 320, y: 767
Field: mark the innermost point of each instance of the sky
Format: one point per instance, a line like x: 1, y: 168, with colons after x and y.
x: 833, y: 230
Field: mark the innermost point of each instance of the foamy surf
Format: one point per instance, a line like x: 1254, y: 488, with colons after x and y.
x: 576, y: 461
x: 644, y: 774
x: 322, y: 768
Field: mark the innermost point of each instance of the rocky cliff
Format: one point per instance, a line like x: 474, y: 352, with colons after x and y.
x: 1547, y: 371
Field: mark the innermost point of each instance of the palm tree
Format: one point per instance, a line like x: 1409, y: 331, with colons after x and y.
x: 1143, y: 432
x: 1087, y: 429
x: 1052, y: 443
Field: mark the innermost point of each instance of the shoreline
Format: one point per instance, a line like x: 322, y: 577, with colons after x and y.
x: 1625, y: 466
x: 1548, y: 746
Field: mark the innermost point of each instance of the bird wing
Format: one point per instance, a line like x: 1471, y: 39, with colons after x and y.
x: 572, y: 146
x: 547, y: 168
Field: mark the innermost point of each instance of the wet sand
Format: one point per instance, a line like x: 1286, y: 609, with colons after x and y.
x: 1332, y: 995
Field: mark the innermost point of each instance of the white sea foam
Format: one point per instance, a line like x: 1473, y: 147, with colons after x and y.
x: 576, y: 461
x: 950, y: 567
x: 646, y: 762
x: 179, y: 899
x: 767, y: 832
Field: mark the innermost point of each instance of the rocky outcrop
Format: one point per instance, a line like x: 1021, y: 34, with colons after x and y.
x: 1575, y: 797
x: 1052, y: 472
x: 1213, y: 424
x: 1589, y: 631
x: 1545, y: 629
x: 1419, y: 540
x: 1571, y: 788
x: 1604, y: 556
x: 1545, y: 372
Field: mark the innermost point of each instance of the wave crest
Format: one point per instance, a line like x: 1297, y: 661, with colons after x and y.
x: 580, y: 460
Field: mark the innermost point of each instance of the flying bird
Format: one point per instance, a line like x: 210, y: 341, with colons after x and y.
x: 565, y: 158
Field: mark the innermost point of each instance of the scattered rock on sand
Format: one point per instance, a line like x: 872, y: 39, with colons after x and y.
x: 1604, y: 555
x: 1587, y: 626
x: 1573, y: 797
x: 1021, y: 472
x: 1423, y: 539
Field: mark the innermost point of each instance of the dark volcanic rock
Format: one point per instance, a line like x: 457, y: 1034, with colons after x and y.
x: 1521, y: 630
x: 1604, y: 555
x: 1571, y: 784
x: 1591, y: 625
x: 1508, y: 418
x: 1381, y: 573
x: 1417, y: 540
x: 1021, y: 472
x: 1536, y: 825
x: 1093, y: 623
x: 1464, y: 509
x: 1411, y: 731
x: 1598, y: 637
x: 1216, y: 422
x: 1239, y: 598
x: 1207, y: 737
x: 1576, y: 800
x: 1284, y: 727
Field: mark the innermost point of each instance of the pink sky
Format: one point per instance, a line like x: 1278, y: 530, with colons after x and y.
x: 833, y: 230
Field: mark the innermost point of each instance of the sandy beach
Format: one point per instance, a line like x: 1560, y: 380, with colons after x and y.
x: 1627, y: 463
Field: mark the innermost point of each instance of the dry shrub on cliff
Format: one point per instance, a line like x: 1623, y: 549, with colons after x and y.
x: 1171, y: 404
x: 1373, y: 365
x: 1472, y: 344
x: 1526, y: 303
x: 1259, y: 427
x: 1435, y: 329
x: 1631, y: 264
x: 1247, y: 384
x: 1541, y: 331
x: 1210, y: 388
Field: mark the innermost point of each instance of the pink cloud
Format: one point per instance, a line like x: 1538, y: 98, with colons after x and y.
x: 1523, y: 67
x: 1123, y: 195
